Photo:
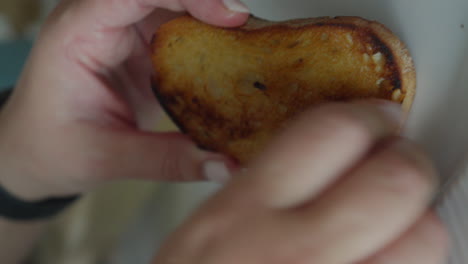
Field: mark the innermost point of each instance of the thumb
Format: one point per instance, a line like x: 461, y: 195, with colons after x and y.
x: 123, y: 13
x: 167, y: 157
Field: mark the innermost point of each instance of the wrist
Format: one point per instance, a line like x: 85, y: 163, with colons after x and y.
x: 24, y: 188
x: 11, y: 180
x: 16, y: 209
x: 20, y: 202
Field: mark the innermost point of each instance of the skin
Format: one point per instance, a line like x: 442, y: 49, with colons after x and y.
x: 76, y: 122
x: 310, y: 200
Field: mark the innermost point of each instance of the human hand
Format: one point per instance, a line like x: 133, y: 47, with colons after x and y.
x: 337, y: 187
x: 74, y: 120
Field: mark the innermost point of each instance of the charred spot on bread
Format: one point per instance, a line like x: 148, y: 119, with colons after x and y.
x: 260, y: 86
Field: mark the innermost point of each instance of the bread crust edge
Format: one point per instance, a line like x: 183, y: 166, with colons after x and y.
x: 400, y: 53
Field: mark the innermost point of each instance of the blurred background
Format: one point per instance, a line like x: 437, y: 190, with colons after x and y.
x: 121, y: 223
x: 19, y: 21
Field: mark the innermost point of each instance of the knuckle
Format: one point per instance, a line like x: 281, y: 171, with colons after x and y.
x: 438, y: 236
x: 339, y: 120
x: 170, y: 168
x: 408, y: 175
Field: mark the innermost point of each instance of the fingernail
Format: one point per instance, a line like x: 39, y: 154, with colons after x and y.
x: 392, y: 110
x: 236, y: 6
x: 216, y: 171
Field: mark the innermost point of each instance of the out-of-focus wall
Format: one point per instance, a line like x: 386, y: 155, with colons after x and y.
x: 12, y: 57
x: 21, y: 16
x: 18, y: 20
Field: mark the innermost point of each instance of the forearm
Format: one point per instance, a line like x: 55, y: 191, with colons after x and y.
x: 17, y: 239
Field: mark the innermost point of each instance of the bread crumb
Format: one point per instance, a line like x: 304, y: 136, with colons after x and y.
x: 377, y: 57
x: 380, y: 81
x: 366, y: 57
x: 379, y: 61
x: 349, y: 38
x: 396, y: 96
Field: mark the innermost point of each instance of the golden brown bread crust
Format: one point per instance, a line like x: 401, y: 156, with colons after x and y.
x: 230, y: 89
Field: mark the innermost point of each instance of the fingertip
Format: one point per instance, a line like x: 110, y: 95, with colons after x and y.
x: 216, y: 171
x: 235, y: 19
x: 426, y: 242
x: 231, y: 164
x: 225, y: 13
x: 437, y: 232
x: 236, y: 6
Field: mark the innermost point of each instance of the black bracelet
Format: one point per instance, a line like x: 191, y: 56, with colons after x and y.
x: 4, y: 95
x: 16, y: 209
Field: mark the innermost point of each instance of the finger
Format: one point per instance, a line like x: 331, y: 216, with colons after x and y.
x: 317, y: 149
x: 370, y: 207
x: 425, y: 243
x: 159, y: 16
x: 164, y: 156
x: 99, y: 35
x: 122, y: 13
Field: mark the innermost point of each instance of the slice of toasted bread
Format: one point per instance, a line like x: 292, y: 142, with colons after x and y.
x: 230, y: 89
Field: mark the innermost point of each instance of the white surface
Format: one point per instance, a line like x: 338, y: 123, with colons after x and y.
x: 6, y: 30
x: 453, y: 211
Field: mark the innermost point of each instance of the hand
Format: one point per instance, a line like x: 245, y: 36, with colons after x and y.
x: 75, y: 120
x: 335, y: 188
